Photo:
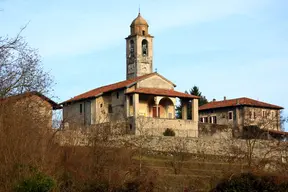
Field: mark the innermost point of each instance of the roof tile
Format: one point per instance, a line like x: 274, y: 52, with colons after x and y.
x: 107, y: 88
x: 236, y: 102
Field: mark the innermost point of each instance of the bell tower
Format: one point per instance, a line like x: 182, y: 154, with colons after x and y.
x: 139, y: 49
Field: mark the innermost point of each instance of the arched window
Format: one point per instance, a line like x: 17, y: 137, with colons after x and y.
x: 131, y: 47
x: 144, y: 47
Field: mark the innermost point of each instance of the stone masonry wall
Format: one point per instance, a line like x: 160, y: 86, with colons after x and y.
x: 202, y: 145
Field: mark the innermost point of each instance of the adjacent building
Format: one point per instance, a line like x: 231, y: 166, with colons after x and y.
x: 145, y: 100
x: 32, y: 107
x: 241, y: 112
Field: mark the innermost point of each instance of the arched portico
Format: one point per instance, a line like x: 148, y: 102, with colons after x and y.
x: 167, y: 108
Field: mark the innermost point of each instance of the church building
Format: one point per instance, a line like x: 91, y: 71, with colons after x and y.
x: 145, y: 100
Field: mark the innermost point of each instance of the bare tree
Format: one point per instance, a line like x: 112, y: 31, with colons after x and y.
x: 260, y: 143
x: 20, y: 68
x: 179, y: 154
x: 283, y: 120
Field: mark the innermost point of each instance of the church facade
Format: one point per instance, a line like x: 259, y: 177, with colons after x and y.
x: 145, y: 100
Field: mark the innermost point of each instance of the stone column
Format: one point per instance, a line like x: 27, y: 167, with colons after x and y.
x: 135, y: 112
x: 127, y: 105
x: 135, y: 104
x: 194, y: 109
x: 157, y: 100
x: 184, y: 109
x: 195, y: 117
x: 157, y: 111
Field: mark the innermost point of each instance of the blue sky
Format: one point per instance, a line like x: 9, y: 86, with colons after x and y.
x: 230, y: 48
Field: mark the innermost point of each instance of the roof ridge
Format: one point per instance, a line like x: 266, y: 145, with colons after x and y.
x: 242, y: 101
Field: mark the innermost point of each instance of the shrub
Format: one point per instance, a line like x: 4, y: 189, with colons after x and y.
x: 38, y: 182
x: 169, y: 132
x: 251, y: 182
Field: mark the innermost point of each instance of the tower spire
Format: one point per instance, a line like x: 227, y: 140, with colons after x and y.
x: 139, y: 10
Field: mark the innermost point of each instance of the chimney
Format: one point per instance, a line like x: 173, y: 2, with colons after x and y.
x: 214, y: 100
x: 237, y: 102
x: 224, y: 98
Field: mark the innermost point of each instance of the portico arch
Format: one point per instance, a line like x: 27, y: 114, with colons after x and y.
x: 166, y: 108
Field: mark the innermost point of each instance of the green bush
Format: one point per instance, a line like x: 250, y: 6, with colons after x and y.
x: 169, y: 132
x: 38, y: 182
x: 250, y: 182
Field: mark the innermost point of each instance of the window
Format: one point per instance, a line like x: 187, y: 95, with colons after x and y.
x: 214, y: 118
x: 201, y: 119
x: 230, y: 115
x: 101, y: 105
x: 131, y: 127
x: 131, y: 51
x: 80, y: 108
x: 143, y: 32
x: 250, y: 115
x: 210, y: 119
x: 205, y: 120
x: 144, y: 47
x: 263, y: 113
x: 131, y: 100
x: 117, y: 95
x: 110, y: 109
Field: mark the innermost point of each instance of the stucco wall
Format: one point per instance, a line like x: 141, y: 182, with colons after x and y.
x: 155, y: 82
x: 269, y: 120
x: 243, y: 116
x: 221, y: 114
x: 72, y: 115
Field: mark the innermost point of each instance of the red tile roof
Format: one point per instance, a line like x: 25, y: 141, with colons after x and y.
x: 244, y: 101
x: 163, y: 92
x: 278, y: 132
x: 94, y: 92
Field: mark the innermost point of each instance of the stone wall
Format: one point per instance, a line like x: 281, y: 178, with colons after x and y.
x: 216, y: 146
x: 214, y: 131
x: 156, y: 126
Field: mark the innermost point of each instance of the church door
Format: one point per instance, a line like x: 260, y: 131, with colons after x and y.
x: 155, y: 111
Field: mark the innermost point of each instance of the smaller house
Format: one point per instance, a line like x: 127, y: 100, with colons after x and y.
x: 241, y: 112
x: 29, y: 106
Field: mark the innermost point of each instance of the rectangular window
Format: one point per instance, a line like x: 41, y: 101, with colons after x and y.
x: 201, y: 119
x: 205, y: 119
x: 110, y: 109
x: 80, y: 108
x: 210, y: 119
x: 214, y: 118
x: 263, y: 113
x: 117, y: 95
x: 230, y: 115
x: 131, y: 100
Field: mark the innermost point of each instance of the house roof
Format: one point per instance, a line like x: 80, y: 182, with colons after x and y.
x: 278, y: 132
x: 28, y: 94
x: 104, y: 89
x: 244, y: 101
x: 163, y: 92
